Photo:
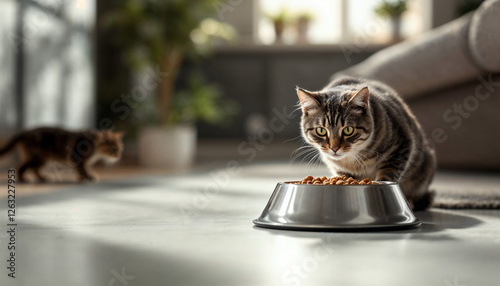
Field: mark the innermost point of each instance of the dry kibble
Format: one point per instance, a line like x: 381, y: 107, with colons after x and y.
x: 339, y: 180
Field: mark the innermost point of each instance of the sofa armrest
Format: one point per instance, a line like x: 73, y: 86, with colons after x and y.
x: 484, y: 36
x: 432, y: 61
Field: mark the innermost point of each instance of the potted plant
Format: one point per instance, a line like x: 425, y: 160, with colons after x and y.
x: 393, y: 10
x: 164, y: 33
x: 279, y: 20
x: 175, y: 144
x: 302, y: 25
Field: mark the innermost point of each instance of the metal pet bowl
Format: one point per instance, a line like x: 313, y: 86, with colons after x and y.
x: 337, y: 208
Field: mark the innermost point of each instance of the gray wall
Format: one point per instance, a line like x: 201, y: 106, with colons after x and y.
x: 263, y: 78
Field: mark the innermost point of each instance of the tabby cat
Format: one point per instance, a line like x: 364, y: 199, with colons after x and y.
x: 363, y: 129
x: 79, y: 150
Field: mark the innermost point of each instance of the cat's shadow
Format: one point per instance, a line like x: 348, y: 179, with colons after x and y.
x: 434, y: 221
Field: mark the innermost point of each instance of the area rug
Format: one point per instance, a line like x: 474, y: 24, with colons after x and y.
x: 476, y: 199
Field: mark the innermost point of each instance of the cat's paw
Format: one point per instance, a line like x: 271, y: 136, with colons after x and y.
x: 411, y: 204
x: 386, y: 176
x: 89, y: 178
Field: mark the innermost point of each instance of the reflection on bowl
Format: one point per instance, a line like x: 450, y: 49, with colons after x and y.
x: 337, y: 207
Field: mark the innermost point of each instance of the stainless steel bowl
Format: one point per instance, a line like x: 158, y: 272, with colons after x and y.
x: 337, y: 208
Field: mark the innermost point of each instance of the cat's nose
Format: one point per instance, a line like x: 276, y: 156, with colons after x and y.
x: 335, y: 149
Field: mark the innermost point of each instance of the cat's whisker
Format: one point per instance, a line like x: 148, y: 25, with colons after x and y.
x: 318, y: 160
x: 360, y: 161
x: 298, y: 107
x: 296, y: 154
x: 308, y: 156
x: 312, y: 154
x: 357, y: 160
x: 303, y: 147
x: 313, y: 160
x: 293, y: 139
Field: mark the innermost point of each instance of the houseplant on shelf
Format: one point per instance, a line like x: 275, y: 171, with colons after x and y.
x: 393, y: 10
x: 302, y: 25
x: 161, y: 34
x: 280, y: 20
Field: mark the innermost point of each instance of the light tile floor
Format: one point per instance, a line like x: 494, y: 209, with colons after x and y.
x: 195, y: 228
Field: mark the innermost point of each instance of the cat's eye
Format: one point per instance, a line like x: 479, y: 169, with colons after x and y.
x: 348, y: 130
x: 321, y: 131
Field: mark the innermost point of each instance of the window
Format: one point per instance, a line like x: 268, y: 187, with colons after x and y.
x: 325, y: 26
x: 338, y: 21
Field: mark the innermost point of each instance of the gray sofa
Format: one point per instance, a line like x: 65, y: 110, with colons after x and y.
x: 450, y: 77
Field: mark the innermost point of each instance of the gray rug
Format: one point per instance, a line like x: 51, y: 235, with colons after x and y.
x: 486, y: 199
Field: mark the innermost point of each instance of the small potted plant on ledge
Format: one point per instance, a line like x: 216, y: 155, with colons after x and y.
x: 302, y: 25
x: 280, y: 20
x: 393, y: 10
x: 161, y: 34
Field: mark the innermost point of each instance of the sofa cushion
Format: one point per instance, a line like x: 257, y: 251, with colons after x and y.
x: 484, y: 36
x: 437, y: 59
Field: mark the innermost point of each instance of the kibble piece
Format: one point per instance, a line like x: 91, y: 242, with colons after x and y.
x: 339, y: 180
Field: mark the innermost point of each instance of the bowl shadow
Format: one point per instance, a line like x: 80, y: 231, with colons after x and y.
x: 434, y: 221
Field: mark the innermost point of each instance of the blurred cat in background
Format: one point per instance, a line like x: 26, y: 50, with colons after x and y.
x: 79, y: 150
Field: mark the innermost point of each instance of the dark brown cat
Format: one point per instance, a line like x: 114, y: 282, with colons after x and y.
x: 79, y: 150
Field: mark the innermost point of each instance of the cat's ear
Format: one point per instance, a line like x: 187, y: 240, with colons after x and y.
x: 360, y: 98
x: 98, y: 137
x: 119, y: 134
x: 308, y: 99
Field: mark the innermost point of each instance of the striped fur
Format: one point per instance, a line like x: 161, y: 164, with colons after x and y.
x: 388, y: 143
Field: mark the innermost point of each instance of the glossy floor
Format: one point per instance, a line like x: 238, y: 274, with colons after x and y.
x: 196, y: 229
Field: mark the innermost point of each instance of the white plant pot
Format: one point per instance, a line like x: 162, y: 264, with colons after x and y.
x: 167, y: 147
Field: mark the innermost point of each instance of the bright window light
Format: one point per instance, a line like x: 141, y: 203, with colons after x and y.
x: 325, y: 26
